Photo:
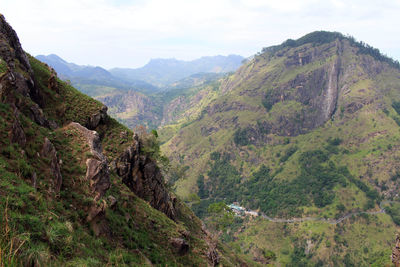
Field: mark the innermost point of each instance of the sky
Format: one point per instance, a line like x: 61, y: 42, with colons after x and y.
x: 128, y: 33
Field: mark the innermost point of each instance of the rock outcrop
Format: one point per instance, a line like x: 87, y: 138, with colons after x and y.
x: 396, y: 252
x: 12, y: 53
x: 37, y: 115
x: 97, y: 118
x: 180, y: 245
x: 17, y: 133
x: 97, y: 175
x: 8, y: 54
x: 142, y: 176
x: 48, y: 151
x: 96, y: 166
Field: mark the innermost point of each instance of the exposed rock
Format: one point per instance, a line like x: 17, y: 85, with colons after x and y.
x: 213, y: 256
x: 38, y: 116
x: 34, y: 180
x: 17, y: 133
x: 143, y: 177
x: 98, y: 177
x: 14, y: 50
x: 12, y: 53
x: 124, y: 136
x: 96, y: 219
x: 96, y: 167
x: 52, y: 82
x: 50, y: 152
x: 96, y: 211
x: 112, y: 201
x: 97, y: 118
x: 180, y: 245
x: 212, y: 253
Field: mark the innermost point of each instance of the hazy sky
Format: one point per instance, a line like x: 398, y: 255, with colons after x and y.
x: 128, y: 33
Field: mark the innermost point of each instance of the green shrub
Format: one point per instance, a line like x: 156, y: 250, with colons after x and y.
x: 288, y: 153
x: 241, y: 138
x: 396, y: 106
x: 269, y: 100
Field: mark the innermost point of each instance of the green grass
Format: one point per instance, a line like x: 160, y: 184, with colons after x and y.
x: 3, y: 66
x: 69, y: 104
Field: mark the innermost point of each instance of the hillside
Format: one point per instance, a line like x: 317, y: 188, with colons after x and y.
x: 79, y: 189
x: 306, y: 129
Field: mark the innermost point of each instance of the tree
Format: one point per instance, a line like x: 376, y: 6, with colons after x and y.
x: 220, y: 216
x: 200, y: 184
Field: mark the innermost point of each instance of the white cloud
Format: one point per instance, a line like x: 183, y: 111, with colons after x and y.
x: 128, y: 33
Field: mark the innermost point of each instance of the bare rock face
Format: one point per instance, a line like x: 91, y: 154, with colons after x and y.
x: 96, y: 167
x: 50, y: 152
x: 17, y: 133
x: 142, y: 176
x: 97, y: 174
x: 396, y: 252
x: 52, y: 82
x: 9, y: 34
x: 11, y: 52
x: 213, y: 256
x: 97, y: 118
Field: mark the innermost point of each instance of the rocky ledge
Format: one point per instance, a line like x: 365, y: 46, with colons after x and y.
x: 141, y: 174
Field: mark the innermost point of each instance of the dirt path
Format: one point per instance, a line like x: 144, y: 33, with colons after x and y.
x: 330, y: 221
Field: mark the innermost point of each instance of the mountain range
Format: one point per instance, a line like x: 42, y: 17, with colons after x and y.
x: 302, y: 142
x: 154, y: 76
x: 162, y: 72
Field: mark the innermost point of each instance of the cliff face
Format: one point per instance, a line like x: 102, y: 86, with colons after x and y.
x: 76, y: 187
x: 141, y: 174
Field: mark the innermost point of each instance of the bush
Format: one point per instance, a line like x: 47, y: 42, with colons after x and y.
x: 203, y: 193
x: 288, y: 153
x: 270, y: 255
x: 240, y: 137
x: 269, y: 100
x: 396, y: 106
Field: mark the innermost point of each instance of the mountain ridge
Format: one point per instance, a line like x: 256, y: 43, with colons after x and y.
x: 306, y: 130
x: 162, y: 72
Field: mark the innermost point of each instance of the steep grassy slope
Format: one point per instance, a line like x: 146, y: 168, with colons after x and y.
x: 66, y: 201
x: 305, y: 129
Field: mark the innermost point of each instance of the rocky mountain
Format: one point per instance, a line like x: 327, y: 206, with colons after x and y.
x: 79, y: 189
x: 162, y: 72
x: 307, y: 134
